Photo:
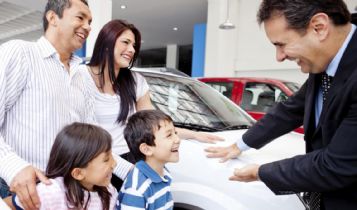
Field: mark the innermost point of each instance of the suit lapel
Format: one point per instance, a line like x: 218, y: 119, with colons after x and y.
x: 343, y: 73
x: 309, y: 117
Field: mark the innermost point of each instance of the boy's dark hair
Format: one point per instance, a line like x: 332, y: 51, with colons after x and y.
x: 74, y: 147
x: 140, y: 129
x: 58, y: 6
x: 298, y: 13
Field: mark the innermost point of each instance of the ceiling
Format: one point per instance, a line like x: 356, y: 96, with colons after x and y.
x: 154, y: 18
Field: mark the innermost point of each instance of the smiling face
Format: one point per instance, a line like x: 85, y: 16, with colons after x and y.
x: 73, y: 28
x: 303, y: 48
x: 98, y: 171
x: 124, y: 49
x: 167, y: 145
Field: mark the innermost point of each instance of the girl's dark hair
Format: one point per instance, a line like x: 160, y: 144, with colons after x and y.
x: 74, y: 147
x: 124, y: 84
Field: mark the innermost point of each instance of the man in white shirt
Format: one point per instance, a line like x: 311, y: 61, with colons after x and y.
x: 40, y: 92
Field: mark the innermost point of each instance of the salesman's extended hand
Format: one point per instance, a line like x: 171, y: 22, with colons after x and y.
x: 225, y: 153
x: 24, y: 185
x: 248, y: 173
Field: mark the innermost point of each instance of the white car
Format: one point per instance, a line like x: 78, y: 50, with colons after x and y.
x: 200, y: 182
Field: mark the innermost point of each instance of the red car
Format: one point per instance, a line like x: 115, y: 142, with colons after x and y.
x: 254, y: 95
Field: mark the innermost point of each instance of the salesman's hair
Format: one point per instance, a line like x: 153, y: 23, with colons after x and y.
x: 298, y: 13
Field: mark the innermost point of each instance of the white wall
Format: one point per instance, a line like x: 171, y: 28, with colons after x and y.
x: 101, y: 13
x: 245, y: 50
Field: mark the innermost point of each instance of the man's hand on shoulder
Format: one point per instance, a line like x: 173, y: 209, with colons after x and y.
x: 24, y: 185
x: 225, y: 153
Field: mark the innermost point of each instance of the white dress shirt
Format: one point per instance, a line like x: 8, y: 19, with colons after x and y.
x: 38, y: 97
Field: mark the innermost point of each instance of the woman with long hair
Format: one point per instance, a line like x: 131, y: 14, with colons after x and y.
x: 119, y: 92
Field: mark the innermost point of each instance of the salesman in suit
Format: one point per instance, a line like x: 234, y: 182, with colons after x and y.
x: 318, y: 36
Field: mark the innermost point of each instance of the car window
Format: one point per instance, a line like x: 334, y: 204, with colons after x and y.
x: 223, y: 87
x: 294, y: 87
x: 261, y: 97
x: 192, y: 102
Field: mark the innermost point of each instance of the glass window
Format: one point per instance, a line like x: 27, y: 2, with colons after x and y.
x: 223, y: 87
x: 190, y: 102
x: 294, y: 87
x: 261, y: 97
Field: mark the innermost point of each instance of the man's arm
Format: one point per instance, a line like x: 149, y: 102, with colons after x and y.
x: 281, y: 119
x: 122, y: 168
x: 284, y: 117
x: 16, y: 171
x: 330, y: 168
x: 13, y: 76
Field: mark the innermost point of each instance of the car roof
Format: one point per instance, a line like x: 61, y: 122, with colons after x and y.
x: 245, y: 79
x: 162, y: 70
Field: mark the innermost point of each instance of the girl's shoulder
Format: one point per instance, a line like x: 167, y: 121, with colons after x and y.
x: 56, y: 187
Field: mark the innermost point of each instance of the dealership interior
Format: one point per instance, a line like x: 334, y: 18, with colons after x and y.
x: 209, y: 66
x: 201, y: 37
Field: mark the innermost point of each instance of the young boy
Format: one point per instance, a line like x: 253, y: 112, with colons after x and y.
x: 153, y: 141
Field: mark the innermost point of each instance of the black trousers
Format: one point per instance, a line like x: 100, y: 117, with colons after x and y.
x: 116, y: 181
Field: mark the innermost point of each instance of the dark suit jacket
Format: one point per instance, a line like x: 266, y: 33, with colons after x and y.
x: 330, y: 165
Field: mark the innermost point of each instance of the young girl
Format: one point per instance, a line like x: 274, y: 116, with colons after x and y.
x: 80, y: 169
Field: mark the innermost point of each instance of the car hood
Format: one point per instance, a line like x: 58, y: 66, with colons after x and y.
x: 203, y: 182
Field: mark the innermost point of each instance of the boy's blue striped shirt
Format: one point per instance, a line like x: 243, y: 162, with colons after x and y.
x: 145, y: 189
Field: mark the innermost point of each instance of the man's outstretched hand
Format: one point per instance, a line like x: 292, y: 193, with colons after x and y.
x: 225, y: 153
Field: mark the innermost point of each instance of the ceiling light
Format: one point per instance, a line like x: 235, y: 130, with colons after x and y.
x: 175, y: 28
x: 227, y: 24
x: 123, y: 6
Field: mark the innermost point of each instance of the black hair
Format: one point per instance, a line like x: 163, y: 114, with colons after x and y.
x: 124, y: 84
x: 140, y: 129
x: 74, y: 147
x: 58, y: 6
x: 298, y: 13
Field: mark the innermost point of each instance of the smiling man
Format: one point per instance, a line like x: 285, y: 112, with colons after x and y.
x: 318, y: 36
x: 40, y: 92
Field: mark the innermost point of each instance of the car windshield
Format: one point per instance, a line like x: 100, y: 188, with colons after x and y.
x: 293, y: 86
x: 193, y: 104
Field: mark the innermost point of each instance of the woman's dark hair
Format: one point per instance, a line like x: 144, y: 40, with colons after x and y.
x: 74, y: 147
x: 298, y: 13
x: 141, y: 128
x: 124, y: 84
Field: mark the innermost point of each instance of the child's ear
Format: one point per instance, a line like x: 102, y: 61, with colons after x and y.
x: 78, y: 174
x: 145, y: 149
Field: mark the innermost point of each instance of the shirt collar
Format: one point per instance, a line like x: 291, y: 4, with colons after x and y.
x: 48, y: 50
x: 332, y: 67
x: 151, y: 174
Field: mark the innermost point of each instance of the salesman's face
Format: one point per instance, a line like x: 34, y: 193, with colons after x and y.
x: 303, y: 48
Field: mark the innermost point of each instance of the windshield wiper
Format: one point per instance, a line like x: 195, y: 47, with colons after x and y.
x: 236, y: 127
x: 195, y: 127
